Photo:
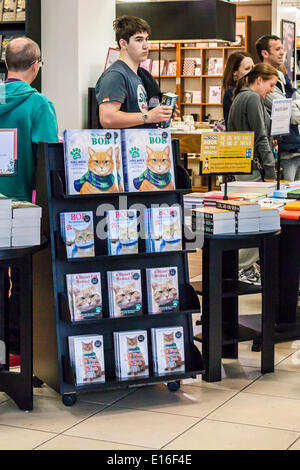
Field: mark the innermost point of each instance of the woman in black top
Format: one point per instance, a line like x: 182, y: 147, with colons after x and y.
x: 238, y: 65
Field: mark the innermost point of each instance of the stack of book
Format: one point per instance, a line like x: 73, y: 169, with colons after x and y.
x: 168, y: 350
x: 213, y: 220
x: 131, y: 354
x: 264, y: 188
x: 269, y: 219
x: 211, y: 197
x: 26, y: 224
x: 193, y: 200
x: 247, y: 214
x: 5, y: 221
x: 291, y: 211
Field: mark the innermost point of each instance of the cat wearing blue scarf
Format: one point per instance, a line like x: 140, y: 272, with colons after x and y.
x: 157, y: 176
x: 100, y: 175
x: 84, y: 243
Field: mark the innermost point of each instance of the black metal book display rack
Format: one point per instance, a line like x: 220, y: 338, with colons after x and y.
x: 52, y: 320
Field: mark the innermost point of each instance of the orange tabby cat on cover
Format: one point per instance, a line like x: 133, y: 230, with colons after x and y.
x: 100, y: 176
x: 157, y: 175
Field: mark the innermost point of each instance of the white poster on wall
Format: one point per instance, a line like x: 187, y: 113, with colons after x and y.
x: 8, y: 152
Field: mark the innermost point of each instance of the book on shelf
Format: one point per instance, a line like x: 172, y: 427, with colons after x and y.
x: 189, y: 65
x: 246, y: 225
x: 21, y: 10
x: 87, y: 358
x: 147, y: 160
x: 131, y: 354
x: 125, y: 293
x: 158, y: 67
x: 215, y: 66
x: 84, y: 296
x: 214, y: 213
x: 293, y: 215
x: 122, y: 232
x: 147, y: 65
x: 77, y: 232
x: 215, y: 94
x: 92, y: 161
x: 168, y: 350
x: 239, y: 206
x: 261, y: 187
x: 188, y: 97
x: 9, y: 10
x: 216, y: 227
x: 163, y: 229
x: 292, y: 205
x: 1, y: 15
x: 171, y: 68
x: 4, y: 44
x: 196, y: 96
x: 162, y: 290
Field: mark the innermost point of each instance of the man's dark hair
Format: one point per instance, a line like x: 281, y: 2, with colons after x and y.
x: 263, y: 44
x: 127, y: 26
x: 21, y: 54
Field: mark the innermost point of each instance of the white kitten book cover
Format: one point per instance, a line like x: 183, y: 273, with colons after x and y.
x: 132, y: 354
x: 125, y: 293
x: 86, y: 296
x: 147, y: 160
x: 122, y: 232
x: 162, y: 290
x: 77, y: 231
x: 90, y: 161
x: 164, y: 229
x: 87, y: 358
x: 169, y: 350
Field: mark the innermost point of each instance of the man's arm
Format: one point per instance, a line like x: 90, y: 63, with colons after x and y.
x: 111, y: 117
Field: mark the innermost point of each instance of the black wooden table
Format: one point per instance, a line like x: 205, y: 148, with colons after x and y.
x: 18, y: 385
x: 220, y: 289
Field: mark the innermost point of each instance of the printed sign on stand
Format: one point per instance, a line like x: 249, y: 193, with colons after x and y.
x: 8, y: 152
x: 281, y: 117
x: 227, y: 153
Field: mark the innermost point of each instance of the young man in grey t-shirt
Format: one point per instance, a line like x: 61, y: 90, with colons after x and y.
x: 120, y: 91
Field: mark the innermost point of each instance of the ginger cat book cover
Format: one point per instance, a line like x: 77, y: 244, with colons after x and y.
x: 125, y: 293
x: 85, y: 296
x: 131, y: 354
x: 168, y: 350
x: 77, y: 231
x: 87, y: 358
x: 162, y: 290
x: 92, y: 161
x: 148, y: 160
x: 122, y: 232
x: 163, y: 229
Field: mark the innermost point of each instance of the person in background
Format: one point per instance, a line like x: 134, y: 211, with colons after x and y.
x: 238, y: 65
x: 24, y: 109
x: 125, y: 91
x: 248, y: 113
x: 34, y: 117
x: 270, y: 51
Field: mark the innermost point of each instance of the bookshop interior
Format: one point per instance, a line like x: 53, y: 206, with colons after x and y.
x: 150, y: 225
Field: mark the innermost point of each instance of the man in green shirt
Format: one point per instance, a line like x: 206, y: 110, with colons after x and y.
x: 24, y: 109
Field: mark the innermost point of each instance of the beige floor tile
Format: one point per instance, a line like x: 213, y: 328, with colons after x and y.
x: 295, y: 446
x: 212, y: 435
x: 280, y: 384
x: 250, y: 304
x: 291, y: 363
x: 187, y: 401
x: 292, y: 345
x: 79, y: 443
x: 234, y: 377
x: 3, y: 397
x: 105, y: 398
x: 259, y: 410
x: 45, y: 391
x: 21, y: 439
x: 133, y: 427
x: 253, y: 359
x: 49, y: 414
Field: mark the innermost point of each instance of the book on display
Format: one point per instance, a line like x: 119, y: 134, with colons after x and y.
x: 131, y: 354
x: 77, y: 232
x: 92, y: 161
x: 163, y: 229
x: 147, y: 160
x: 87, y: 358
x: 125, y: 293
x: 122, y: 232
x: 162, y: 290
x: 168, y: 350
x: 84, y: 296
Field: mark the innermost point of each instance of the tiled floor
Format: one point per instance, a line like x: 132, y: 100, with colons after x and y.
x: 244, y: 411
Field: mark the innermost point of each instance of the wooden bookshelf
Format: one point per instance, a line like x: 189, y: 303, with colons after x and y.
x: 31, y: 28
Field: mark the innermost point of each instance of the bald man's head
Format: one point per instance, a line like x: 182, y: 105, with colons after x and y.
x: 21, y: 53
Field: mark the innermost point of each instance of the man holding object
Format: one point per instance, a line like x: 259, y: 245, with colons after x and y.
x: 127, y: 95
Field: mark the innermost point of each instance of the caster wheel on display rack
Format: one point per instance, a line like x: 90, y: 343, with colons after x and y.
x: 69, y: 400
x: 256, y: 347
x: 174, y: 386
x: 36, y: 382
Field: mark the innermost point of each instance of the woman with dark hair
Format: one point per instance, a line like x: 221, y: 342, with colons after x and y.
x: 238, y: 65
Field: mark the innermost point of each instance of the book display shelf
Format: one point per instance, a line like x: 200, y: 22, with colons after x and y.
x: 53, y: 323
x: 198, y: 91
x: 31, y: 28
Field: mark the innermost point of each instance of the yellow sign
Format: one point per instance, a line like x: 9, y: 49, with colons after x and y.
x: 227, y: 153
